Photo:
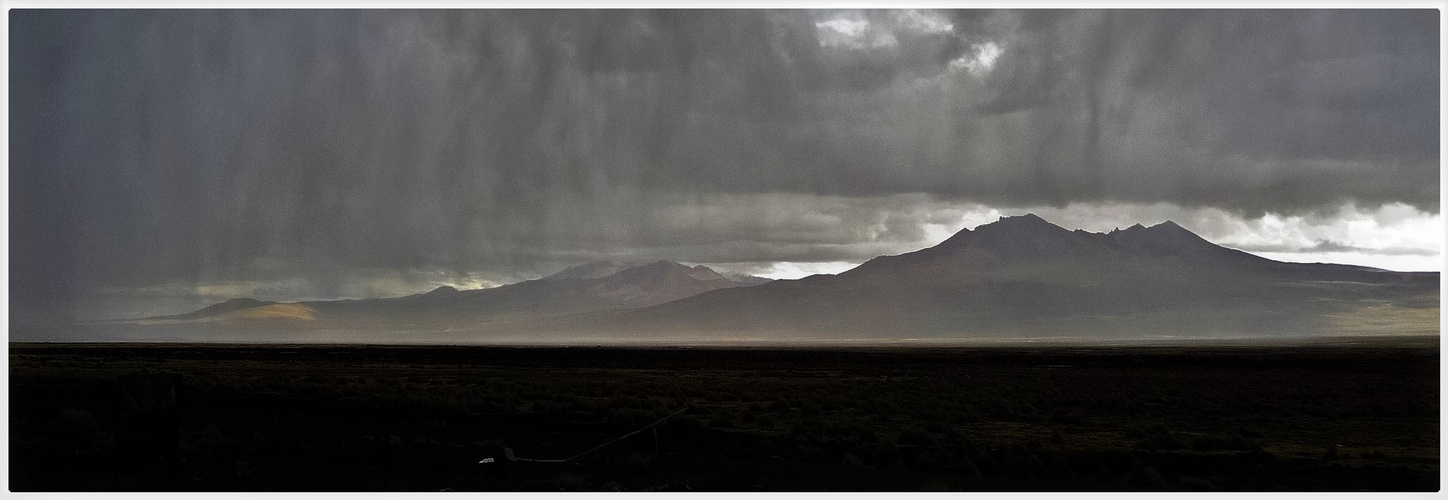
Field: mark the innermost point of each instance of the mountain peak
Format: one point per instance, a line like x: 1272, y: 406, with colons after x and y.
x: 1017, y: 237
x: 1030, y: 237
x: 658, y: 266
x: 1169, y: 225
x: 699, y: 272
x: 236, y: 304
x: 1028, y: 218
x: 591, y: 270
x: 442, y: 290
x: 705, y: 273
x: 656, y: 269
x: 1028, y: 223
x: 1007, y: 227
x: 1171, y: 239
x: 1173, y: 230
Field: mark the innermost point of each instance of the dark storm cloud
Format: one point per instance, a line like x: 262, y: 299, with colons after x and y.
x: 1276, y: 110
x: 164, y: 147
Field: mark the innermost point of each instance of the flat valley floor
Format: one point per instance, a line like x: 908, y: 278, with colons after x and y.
x: 1312, y: 416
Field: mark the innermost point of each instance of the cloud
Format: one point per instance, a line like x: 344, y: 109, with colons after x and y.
x: 202, y: 147
x: 980, y: 61
x: 1329, y: 246
x: 788, y: 270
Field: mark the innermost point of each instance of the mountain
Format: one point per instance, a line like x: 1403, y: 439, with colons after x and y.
x: 1025, y: 277
x: 591, y: 287
x: 591, y: 270
x: 1019, y: 277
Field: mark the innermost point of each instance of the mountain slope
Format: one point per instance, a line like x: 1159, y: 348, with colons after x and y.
x: 219, y: 309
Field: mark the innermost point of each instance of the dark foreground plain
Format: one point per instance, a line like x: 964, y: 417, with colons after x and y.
x: 1312, y: 416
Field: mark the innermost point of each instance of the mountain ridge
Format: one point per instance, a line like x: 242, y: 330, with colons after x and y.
x: 1025, y: 276
x: 598, y: 285
x: 1020, y: 276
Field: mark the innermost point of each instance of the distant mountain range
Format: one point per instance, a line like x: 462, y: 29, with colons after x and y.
x: 1019, y: 277
x: 586, y: 288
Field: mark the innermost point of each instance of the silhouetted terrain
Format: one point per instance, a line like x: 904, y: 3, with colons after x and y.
x: 1018, y: 278
x: 595, y: 286
x: 1326, y: 415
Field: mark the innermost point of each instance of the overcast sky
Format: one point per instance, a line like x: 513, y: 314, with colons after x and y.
x: 163, y: 160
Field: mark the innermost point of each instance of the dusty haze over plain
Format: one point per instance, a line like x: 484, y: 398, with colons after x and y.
x: 165, y: 160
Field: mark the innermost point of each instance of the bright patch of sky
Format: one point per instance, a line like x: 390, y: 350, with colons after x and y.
x: 1395, y: 236
x: 1389, y: 262
x: 981, y: 59
x: 853, y: 30
x: 853, y: 33
x: 797, y: 270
